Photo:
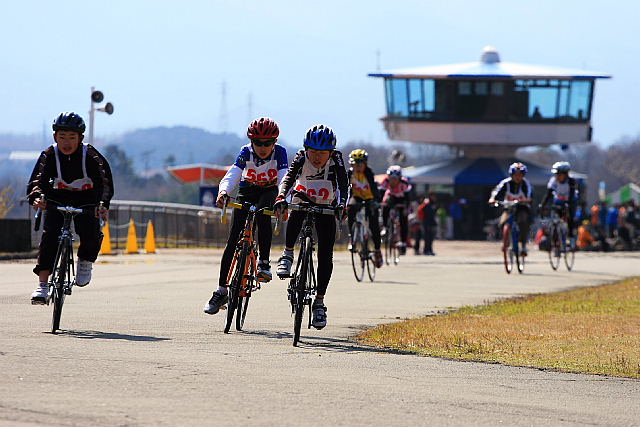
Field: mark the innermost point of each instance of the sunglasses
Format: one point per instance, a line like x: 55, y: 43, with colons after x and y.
x: 263, y: 142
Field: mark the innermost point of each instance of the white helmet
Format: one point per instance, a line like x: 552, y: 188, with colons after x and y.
x: 394, y: 171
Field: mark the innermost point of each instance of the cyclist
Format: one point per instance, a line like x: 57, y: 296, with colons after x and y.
x: 317, y: 170
x: 397, y: 194
x: 563, y: 190
x: 258, y: 170
x: 364, y: 187
x: 516, y: 187
x: 70, y: 173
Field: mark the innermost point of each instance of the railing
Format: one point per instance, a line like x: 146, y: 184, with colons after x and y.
x: 175, y: 225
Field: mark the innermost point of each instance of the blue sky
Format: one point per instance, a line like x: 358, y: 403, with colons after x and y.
x: 304, y: 62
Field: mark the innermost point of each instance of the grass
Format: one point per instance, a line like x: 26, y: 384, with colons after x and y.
x: 593, y: 330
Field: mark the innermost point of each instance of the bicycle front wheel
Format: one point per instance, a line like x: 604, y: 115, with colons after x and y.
x: 370, y: 260
x: 569, y: 256
x: 58, y: 279
x: 357, y: 248
x: 554, y: 253
x: 301, y: 289
x: 245, y: 293
x: 507, y: 252
x: 235, y: 286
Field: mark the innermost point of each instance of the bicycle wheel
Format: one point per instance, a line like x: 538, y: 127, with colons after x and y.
x: 370, y: 260
x: 301, y: 290
x: 235, y: 287
x: 554, y: 252
x: 520, y: 259
x: 569, y: 255
x: 507, y: 252
x: 58, y: 280
x: 245, y: 293
x: 357, y: 262
x: 388, y: 244
x: 515, y: 244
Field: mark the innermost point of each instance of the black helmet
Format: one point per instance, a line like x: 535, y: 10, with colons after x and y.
x: 69, y: 121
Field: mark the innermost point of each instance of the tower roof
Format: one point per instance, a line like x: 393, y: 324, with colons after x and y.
x: 490, y: 66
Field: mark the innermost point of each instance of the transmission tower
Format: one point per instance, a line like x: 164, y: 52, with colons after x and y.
x: 250, y: 108
x: 223, y: 119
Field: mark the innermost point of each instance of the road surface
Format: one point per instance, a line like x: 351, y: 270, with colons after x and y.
x: 136, y: 349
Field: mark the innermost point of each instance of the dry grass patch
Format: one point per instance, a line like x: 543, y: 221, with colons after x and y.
x: 592, y: 330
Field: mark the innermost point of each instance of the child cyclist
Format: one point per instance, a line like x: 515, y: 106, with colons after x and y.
x: 69, y: 173
x: 318, y: 167
x: 364, y: 188
x: 258, y: 170
x: 397, y: 194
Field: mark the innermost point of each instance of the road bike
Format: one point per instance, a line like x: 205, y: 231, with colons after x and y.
x: 243, y: 273
x: 361, y: 243
x: 392, y: 238
x: 558, y: 234
x: 512, y: 253
x: 62, y: 278
x: 302, y: 286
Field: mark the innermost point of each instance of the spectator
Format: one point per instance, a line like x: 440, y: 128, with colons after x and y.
x: 612, y: 220
x: 586, y: 240
x: 427, y: 214
x: 441, y: 214
x: 455, y: 212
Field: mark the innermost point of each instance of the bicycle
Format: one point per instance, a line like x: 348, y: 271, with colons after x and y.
x: 62, y: 279
x: 302, y: 286
x: 558, y: 236
x: 511, y: 238
x: 392, y: 238
x: 243, y: 279
x: 361, y: 253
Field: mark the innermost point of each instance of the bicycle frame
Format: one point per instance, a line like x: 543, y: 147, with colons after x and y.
x: 245, y: 254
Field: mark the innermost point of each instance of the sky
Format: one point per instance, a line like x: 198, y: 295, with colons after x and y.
x: 163, y: 63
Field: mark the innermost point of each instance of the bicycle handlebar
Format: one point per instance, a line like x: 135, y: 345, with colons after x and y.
x: 68, y: 210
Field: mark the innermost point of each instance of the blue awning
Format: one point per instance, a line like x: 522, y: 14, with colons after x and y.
x: 478, y: 171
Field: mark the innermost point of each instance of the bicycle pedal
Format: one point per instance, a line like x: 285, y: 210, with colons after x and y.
x: 67, y: 291
x: 224, y: 307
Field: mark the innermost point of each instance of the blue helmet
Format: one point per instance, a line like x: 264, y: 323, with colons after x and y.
x: 69, y: 121
x: 515, y: 167
x: 320, y: 137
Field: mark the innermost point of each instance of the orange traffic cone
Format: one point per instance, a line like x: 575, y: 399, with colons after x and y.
x: 132, y: 239
x: 150, y: 239
x: 105, y: 247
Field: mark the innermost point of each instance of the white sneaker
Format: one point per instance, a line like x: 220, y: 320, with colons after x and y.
x: 83, y: 272
x: 40, y: 295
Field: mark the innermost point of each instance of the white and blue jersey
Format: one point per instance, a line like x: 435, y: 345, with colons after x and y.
x: 563, y: 192
x: 249, y: 170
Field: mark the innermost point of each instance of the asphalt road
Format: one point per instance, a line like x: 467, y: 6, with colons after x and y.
x: 136, y: 349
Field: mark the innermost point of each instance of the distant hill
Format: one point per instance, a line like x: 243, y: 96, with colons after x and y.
x: 151, y: 148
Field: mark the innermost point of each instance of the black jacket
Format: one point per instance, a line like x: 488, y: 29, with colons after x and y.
x: 41, y: 181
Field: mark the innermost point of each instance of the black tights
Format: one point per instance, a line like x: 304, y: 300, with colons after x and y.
x: 261, y: 198
x: 326, y: 237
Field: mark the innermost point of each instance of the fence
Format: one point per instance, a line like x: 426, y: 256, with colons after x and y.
x: 175, y: 225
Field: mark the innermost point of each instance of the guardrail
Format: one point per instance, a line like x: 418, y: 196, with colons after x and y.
x: 175, y: 225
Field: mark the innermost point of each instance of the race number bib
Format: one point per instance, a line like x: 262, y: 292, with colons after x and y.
x: 264, y: 175
x: 320, y: 190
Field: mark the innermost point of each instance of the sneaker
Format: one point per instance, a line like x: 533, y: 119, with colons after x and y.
x: 284, y: 266
x: 217, y: 301
x: 319, y: 316
x: 378, y: 259
x: 40, y: 295
x: 264, y: 271
x: 350, y: 247
x: 383, y: 231
x: 83, y: 272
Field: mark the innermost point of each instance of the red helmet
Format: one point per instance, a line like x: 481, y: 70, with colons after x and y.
x: 263, y: 128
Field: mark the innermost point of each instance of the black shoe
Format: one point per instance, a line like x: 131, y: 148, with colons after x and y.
x: 319, y: 316
x: 216, y: 302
